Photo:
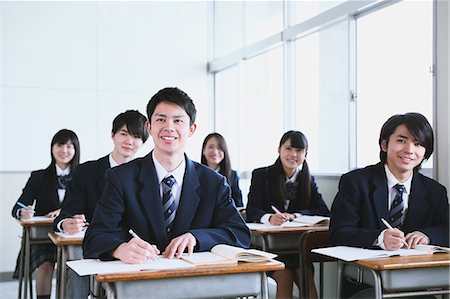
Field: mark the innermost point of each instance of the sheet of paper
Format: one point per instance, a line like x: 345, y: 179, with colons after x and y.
x: 93, y: 266
x: 73, y: 236
x: 37, y: 219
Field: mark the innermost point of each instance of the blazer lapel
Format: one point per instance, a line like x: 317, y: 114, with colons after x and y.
x: 380, y: 194
x: 189, y: 199
x: 417, y: 204
x: 101, y: 172
x: 52, y: 180
x: 150, y: 199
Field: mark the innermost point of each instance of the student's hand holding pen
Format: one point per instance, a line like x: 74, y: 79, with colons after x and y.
x: 393, y: 237
x: 136, y: 251
x: 26, y: 212
x: 74, y: 224
x: 279, y: 218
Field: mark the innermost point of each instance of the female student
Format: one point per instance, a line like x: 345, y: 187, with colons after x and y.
x: 215, y: 156
x: 42, y: 195
x: 288, y: 186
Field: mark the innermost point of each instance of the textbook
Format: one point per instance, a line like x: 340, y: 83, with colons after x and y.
x: 226, y: 254
x: 306, y: 220
x: 348, y: 254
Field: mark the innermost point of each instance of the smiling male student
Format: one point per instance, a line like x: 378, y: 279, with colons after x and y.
x: 173, y: 204
x: 415, y: 206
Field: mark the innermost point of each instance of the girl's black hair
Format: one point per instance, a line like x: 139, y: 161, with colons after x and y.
x: 277, y: 176
x: 225, y: 164
x: 61, y: 137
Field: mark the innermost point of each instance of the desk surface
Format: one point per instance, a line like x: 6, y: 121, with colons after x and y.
x: 39, y: 222
x: 407, y: 262
x: 59, y: 240
x: 282, y: 230
x: 241, y: 267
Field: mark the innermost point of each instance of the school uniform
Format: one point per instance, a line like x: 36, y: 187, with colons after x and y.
x: 84, y: 191
x: 132, y: 200
x: 82, y: 196
x: 43, y: 187
x: 236, y: 193
x: 261, y: 198
x: 361, y: 202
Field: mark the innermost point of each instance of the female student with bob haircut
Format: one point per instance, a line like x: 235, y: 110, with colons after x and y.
x: 42, y: 195
x: 215, y: 156
x: 289, y: 187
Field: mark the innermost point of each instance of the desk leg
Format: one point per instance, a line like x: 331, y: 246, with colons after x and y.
x: 377, y: 284
x: 26, y: 268
x: 58, y: 272
x: 63, y: 278
x: 22, y: 262
x: 264, y: 287
x: 340, y: 272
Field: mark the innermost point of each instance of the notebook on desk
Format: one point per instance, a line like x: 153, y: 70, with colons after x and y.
x: 348, y: 254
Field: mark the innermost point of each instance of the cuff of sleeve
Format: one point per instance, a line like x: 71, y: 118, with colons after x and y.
x: 380, y: 240
x: 59, y: 226
x: 265, y: 218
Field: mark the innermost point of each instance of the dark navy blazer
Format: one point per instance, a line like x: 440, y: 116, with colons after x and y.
x: 236, y: 192
x: 42, y: 186
x: 260, y: 200
x: 85, y: 190
x: 132, y: 199
x: 362, y: 201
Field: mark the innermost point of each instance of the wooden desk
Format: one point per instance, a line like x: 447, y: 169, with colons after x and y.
x: 33, y: 232
x: 282, y: 240
x: 400, y: 276
x: 288, y: 240
x: 244, y: 279
x: 67, y: 249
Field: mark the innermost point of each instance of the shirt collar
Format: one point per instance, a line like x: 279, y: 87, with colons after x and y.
x: 161, y: 172
x: 293, y: 179
x: 392, y: 180
x: 59, y: 171
x: 112, y: 162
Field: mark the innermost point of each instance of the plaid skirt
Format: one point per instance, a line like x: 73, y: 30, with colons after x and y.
x: 39, y: 254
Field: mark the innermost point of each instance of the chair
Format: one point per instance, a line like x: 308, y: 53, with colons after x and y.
x: 309, y: 240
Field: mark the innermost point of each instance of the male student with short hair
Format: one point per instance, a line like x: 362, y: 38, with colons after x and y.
x: 172, y: 203
x: 414, y: 205
x: 128, y: 135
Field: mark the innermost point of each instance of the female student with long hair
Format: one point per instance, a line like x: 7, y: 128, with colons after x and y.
x: 215, y: 155
x: 288, y: 186
x: 46, y: 187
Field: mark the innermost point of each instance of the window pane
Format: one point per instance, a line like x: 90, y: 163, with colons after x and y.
x: 261, y: 110
x: 228, y: 35
x: 321, y: 97
x: 263, y: 19
x: 304, y: 10
x: 393, y: 70
x: 227, y: 111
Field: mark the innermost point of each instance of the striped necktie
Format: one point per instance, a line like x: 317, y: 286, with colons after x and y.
x: 168, y: 202
x: 396, y: 212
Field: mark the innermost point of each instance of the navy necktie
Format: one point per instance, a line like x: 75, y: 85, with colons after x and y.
x: 396, y: 212
x: 168, y: 202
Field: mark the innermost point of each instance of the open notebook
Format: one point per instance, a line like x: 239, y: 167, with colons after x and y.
x: 226, y: 254
x: 347, y: 253
x: 306, y: 220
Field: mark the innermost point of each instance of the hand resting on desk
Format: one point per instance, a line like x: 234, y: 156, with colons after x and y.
x: 395, y: 239
x: 74, y: 224
x: 417, y: 238
x: 178, y: 245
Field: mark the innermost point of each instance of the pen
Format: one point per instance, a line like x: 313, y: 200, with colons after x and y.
x: 278, y: 212
x: 34, y: 204
x: 133, y: 234
x: 137, y: 237
x: 23, y: 206
x: 390, y: 227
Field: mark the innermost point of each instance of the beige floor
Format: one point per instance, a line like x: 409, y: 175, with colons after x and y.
x: 10, y: 289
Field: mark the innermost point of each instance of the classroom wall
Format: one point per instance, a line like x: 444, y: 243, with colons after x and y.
x: 77, y: 65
